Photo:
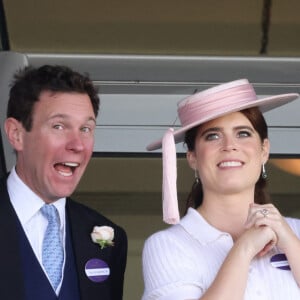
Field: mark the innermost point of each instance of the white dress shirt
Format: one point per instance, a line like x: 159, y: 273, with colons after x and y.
x: 27, y: 206
x: 182, y: 261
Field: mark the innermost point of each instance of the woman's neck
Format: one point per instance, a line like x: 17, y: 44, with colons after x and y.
x: 227, y: 213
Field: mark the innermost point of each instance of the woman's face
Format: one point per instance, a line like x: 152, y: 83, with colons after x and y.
x: 228, y: 154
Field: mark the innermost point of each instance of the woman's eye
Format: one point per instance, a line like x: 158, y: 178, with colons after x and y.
x: 211, y: 136
x: 244, y: 134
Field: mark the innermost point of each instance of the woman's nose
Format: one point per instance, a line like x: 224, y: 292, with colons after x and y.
x: 229, y: 144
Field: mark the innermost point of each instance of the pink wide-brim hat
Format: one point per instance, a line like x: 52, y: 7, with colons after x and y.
x: 218, y: 101
x: 197, y: 109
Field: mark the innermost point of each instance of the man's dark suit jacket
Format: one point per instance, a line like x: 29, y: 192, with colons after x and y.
x: 82, y: 220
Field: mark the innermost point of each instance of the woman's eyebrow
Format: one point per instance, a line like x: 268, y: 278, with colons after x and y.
x: 210, y: 129
x: 244, y: 127
x: 218, y: 129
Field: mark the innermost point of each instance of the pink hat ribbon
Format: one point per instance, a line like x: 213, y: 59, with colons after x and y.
x: 195, y: 110
x: 201, y: 105
x: 189, y: 112
x: 170, y: 203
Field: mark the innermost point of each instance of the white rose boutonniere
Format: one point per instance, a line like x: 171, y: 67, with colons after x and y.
x: 103, y: 235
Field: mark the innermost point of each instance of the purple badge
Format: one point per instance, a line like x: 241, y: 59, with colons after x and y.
x: 280, y: 261
x: 97, y: 270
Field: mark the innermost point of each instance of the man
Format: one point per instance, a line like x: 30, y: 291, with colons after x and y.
x: 51, y: 119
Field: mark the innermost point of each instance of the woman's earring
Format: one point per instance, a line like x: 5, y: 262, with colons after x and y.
x: 197, y: 180
x: 264, y: 173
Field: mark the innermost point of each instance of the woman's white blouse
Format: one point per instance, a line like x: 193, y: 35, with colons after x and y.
x: 182, y: 261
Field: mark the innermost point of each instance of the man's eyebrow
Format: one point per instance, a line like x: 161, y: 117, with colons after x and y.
x: 65, y: 116
x: 92, y: 119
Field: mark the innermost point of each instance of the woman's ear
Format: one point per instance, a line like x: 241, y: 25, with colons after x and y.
x: 14, y: 132
x: 192, y: 160
x: 265, y: 150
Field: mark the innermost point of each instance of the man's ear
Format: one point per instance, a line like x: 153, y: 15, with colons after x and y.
x: 14, y: 132
x: 191, y: 158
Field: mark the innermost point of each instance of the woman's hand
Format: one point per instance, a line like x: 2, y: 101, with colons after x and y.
x: 268, y: 215
x: 257, y: 241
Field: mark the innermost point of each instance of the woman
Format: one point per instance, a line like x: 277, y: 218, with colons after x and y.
x: 232, y: 243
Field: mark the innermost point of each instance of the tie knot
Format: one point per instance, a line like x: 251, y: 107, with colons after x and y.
x: 50, y: 212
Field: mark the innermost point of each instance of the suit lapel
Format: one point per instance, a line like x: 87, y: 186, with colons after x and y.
x: 84, y: 249
x: 10, y: 271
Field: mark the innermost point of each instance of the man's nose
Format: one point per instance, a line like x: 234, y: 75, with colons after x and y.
x: 75, y: 142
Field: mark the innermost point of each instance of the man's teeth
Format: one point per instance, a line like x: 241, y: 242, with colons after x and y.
x: 230, y: 164
x: 66, y: 174
x: 66, y: 169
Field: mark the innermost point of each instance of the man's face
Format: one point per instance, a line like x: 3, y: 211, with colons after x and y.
x: 53, y: 155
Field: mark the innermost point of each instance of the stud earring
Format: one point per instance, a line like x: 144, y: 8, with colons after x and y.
x: 264, y: 173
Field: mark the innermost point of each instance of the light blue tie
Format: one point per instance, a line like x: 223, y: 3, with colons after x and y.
x: 52, y: 251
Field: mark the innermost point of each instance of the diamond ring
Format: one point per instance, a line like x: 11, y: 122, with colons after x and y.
x: 264, y: 212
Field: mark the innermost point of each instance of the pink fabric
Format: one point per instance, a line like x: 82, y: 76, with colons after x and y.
x: 170, y: 203
x: 201, y: 105
x: 218, y: 101
x: 200, y: 108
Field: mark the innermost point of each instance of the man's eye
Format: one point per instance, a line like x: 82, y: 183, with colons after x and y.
x: 86, y: 129
x: 58, y: 126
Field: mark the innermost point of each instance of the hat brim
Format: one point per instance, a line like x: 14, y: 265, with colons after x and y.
x: 264, y: 104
